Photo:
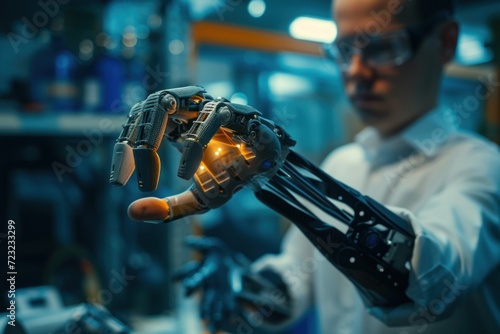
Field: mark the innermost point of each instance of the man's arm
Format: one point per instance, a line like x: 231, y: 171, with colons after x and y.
x: 458, y: 229
x: 457, y: 236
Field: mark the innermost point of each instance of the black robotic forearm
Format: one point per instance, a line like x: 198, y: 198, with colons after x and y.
x: 227, y: 146
x: 374, y: 250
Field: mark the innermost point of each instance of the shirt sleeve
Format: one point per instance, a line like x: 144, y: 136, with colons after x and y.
x: 296, y: 249
x: 457, y: 231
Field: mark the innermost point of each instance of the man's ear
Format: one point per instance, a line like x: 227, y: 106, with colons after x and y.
x: 448, y: 36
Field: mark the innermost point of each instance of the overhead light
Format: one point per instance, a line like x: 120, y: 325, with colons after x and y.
x: 239, y: 98
x: 281, y: 83
x: 313, y: 29
x: 202, y: 8
x: 256, y: 8
x: 220, y: 88
x: 472, y: 50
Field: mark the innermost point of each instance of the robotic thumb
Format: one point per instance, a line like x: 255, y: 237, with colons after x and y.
x: 163, y: 210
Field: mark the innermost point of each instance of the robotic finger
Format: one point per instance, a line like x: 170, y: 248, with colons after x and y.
x: 148, y: 122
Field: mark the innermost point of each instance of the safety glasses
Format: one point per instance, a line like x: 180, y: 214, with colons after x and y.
x: 388, y: 49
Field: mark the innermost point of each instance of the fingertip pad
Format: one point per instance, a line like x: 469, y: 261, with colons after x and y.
x: 149, y: 209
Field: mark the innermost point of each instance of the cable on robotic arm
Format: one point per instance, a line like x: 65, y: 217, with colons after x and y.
x: 374, y: 252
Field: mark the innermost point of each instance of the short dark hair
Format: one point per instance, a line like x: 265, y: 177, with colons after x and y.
x: 429, y: 8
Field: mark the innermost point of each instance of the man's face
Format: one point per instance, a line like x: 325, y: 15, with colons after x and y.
x: 388, y: 98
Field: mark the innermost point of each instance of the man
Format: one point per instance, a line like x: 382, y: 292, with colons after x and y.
x: 410, y: 158
x: 445, y: 182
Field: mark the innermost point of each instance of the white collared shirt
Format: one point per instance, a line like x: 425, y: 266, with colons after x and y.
x: 446, y: 183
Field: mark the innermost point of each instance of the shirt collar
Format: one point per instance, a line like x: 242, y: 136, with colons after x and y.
x: 426, y: 135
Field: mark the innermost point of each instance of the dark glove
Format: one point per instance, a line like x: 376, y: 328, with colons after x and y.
x: 231, y: 292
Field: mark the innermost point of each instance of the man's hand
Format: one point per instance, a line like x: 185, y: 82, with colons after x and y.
x: 224, y: 147
x: 229, y: 289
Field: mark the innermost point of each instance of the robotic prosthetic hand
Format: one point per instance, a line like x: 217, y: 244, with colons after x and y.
x: 227, y: 146
x: 224, y: 146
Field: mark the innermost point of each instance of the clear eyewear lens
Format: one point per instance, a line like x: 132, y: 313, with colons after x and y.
x: 392, y: 49
x: 341, y: 54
